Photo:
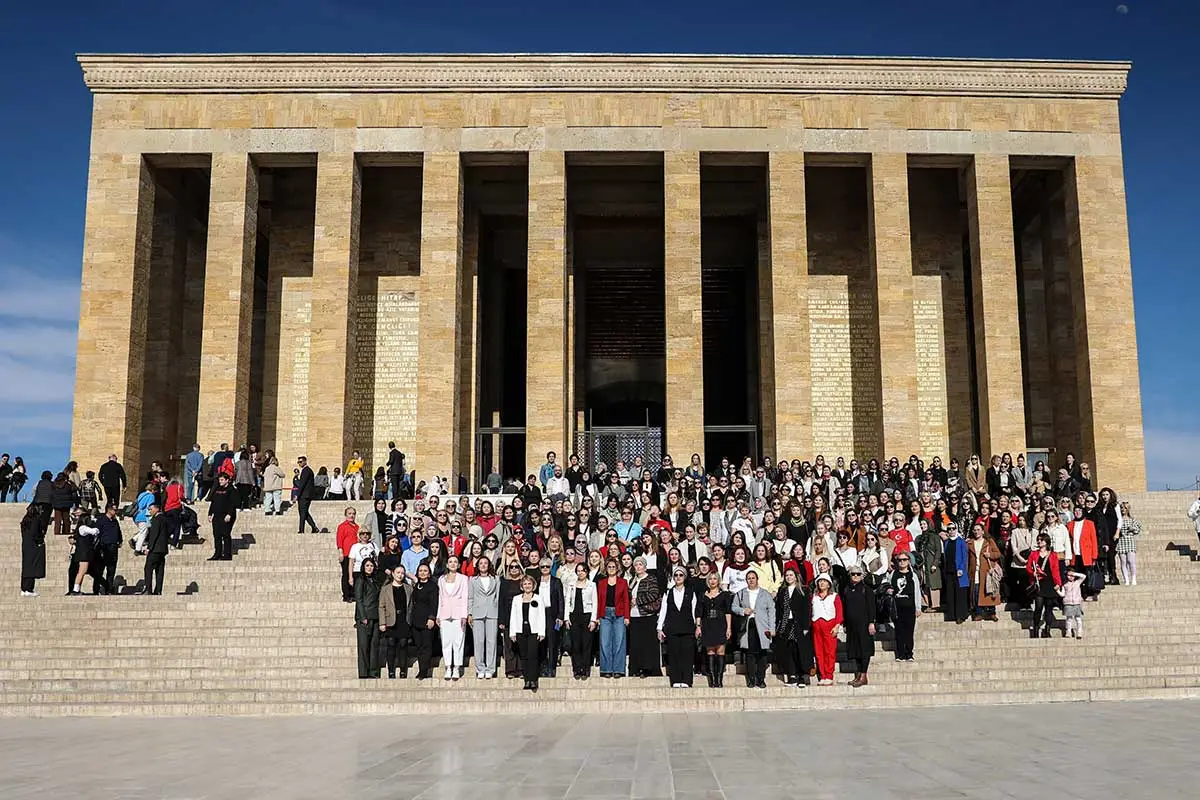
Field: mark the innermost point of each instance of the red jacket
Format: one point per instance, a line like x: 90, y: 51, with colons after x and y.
x: 174, y: 497
x: 455, y: 544
x: 1036, y: 574
x: 347, y: 536
x: 804, y: 571
x: 1087, y: 548
x: 622, y: 597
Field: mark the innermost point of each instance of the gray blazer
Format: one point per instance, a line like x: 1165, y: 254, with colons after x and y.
x: 481, y: 604
x: 371, y: 524
x: 764, y: 616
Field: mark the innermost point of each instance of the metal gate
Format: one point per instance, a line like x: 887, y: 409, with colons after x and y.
x: 612, y: 443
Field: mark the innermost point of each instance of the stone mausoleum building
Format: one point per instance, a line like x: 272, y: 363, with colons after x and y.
x: 485, y: 257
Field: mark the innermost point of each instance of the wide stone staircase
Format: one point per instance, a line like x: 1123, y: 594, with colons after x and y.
x: 268, y: 634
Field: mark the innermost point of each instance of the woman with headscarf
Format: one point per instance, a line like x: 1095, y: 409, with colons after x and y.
x: 792, y: 645
x: 956, y: 582
x: 645, y: 597
x: 826, y: 617
x: 366, y: 618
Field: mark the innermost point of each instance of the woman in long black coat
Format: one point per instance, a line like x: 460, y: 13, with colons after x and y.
x: 858, y: 612
x: 793, y: 640
x: 33, y: 550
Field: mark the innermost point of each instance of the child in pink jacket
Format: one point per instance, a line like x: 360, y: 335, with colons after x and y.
x: 1072, y: 597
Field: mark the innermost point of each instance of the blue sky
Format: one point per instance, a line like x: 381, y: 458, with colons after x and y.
x: 45, y: 112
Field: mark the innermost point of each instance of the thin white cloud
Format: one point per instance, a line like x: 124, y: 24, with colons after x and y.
x: 24, y: 380
x: 1172, y: 457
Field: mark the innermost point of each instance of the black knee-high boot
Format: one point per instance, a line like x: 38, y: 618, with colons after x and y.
x: 712, y: 672
x: 718, y: 668
x: 751, y: 663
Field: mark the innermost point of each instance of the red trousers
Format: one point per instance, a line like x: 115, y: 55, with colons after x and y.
x: 825, y: 647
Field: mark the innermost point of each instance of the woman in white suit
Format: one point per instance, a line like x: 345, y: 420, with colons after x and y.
x: 527, y: 627
x: 581, y: 620
x: 756, y: 605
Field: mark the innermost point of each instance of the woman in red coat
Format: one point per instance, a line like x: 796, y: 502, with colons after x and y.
x: 826, y: 616
x: 1045, y: 578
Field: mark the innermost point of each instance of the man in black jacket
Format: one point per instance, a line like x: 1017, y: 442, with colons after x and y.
x: 113, y: 479
x: 222, y: 513
x: 305, y: 490
x: 158, y: 540
x: 395, y: 469
x: 109, y: 543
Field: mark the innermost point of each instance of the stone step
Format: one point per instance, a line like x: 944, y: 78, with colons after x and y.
x: 516, y: 701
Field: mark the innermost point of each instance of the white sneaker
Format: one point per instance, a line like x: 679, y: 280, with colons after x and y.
x: 26, y: 594
x: 825, y: 682
x: 1133, y: 582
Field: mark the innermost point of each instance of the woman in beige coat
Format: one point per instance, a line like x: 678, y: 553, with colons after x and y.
x: 273, y: 478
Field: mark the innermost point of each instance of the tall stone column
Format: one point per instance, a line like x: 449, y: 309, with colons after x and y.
x: 999, y: 374
x: 228, y: 302
x: 112, y: 316
x: 1110, y: 402
x: 891, y: 269
x: 684, y: 316
x: 546, y: 342
x: 786, y: 348
x: 334, y: 295
x: 440, y: 292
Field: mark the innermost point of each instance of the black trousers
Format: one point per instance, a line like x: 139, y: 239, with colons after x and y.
x: 347, y: 589
x: 222, y: 539
x: 423, y: 637
x: 508, y: 651
x: 756, y: 661
x: 527, y: 645
x: 395, y: 479
x: 156, y: 564
x: 27, y: 584
x: 395, y: 654
x: 1109, y: 560
x: 112, y: 495
x: 681, y: 654
x: 368, y: 649
x: 1043, y: 612
x: 906, y: 625
x: 109, y: 555
x: 305, y: 517
x: 245, y: 493
x: 174, y: 524
x: 548, y: 647
x: 862, y: 664
x: 581, y: 644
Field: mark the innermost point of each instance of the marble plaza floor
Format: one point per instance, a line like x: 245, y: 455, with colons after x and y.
x: 1087, y: 751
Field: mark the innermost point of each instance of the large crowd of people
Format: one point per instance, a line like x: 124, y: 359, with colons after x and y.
x: 632, y: 568
x: 636, y: 569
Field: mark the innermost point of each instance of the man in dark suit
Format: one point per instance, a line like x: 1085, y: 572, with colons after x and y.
x: 113, y: 479
x: 395, y: 469
x: 158, y: 540
x: 304, y: 494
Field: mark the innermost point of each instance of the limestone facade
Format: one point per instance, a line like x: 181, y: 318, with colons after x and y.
x: 942, y: 254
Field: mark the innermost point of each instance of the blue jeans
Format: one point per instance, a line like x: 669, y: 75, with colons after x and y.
x: 612, y: 643
x: 189, y: 483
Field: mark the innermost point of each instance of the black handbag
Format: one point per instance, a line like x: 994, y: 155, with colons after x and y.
x: 1093, y: 582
